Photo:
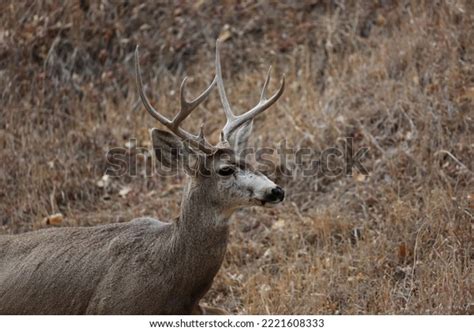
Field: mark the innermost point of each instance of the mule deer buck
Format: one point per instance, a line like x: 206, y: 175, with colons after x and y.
x: 145, y: 266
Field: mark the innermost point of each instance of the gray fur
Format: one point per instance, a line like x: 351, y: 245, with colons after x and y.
x: 139, y: 267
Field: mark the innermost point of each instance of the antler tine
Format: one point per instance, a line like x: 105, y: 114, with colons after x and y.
x: 234, y: 122
x: 265, y: 84
x: 188, y: 106
x: 262, y: 105
x: 153, y: 112
x: 197, y: 141
x: 220, y: 86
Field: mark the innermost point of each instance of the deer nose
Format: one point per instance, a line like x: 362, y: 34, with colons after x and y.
x: 276, y: 194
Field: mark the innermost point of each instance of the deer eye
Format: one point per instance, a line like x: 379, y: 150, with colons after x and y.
x: 226, y: 171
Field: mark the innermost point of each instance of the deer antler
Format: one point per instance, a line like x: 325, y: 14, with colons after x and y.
x: 236, y: 121
x: 198, y: 141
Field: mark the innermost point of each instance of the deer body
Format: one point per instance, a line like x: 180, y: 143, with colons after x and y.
x: 138, y: 267
x: 144, y: 266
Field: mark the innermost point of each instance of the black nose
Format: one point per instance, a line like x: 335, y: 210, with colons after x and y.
x: 277, y: 194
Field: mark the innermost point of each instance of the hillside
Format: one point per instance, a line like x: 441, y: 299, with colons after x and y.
x: 393, y: 77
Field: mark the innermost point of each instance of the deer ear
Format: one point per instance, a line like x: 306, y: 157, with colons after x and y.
x: 239, y: 139
x: 171, y: 152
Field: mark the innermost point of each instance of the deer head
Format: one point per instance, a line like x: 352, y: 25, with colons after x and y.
x: 230, y: 182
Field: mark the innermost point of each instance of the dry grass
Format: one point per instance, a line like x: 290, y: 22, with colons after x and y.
x: 396, y: 76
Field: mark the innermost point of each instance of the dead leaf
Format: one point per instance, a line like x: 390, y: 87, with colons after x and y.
x: 402, y: 251
x: 104, y: 181
x: 198, y: 4
x: 225, y: 34
x: 470, y: 199
x: 280, y: 224
x: 359, y: 178
x: 54, y: 219
x: 124, y: 191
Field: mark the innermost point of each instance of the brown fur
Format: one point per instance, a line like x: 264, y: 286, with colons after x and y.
x: 139, y: 267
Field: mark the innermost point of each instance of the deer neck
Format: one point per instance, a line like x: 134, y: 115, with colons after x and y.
x: 200, y: 240
x: 202, y: 225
